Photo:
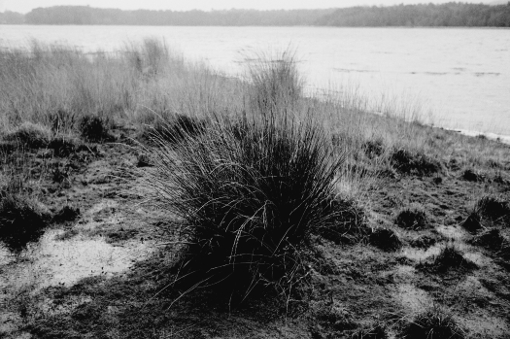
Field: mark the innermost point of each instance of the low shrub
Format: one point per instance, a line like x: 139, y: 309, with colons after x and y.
x: 407, y: 162
x: 30, y: 135
x: 432, y: 324
x: 20, y: 222
x: 248, y: 203
x: 413, y: 217
x: 451, y: 258
x: 385, y: 239
x: 95, y: 128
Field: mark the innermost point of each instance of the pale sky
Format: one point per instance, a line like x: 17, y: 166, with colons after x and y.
x: 24, y: 6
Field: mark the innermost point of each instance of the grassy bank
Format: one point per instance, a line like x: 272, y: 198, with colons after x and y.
x: 171, y: 195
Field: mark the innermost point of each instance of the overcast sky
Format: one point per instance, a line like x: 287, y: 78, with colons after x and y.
x: 24, y: 6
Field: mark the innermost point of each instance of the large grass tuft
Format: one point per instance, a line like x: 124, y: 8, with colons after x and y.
x: 248, y: 200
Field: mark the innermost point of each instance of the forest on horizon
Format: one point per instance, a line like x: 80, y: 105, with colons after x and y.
x: 451, y: 14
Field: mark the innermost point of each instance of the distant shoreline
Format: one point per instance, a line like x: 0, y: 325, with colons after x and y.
x: 418, y: 15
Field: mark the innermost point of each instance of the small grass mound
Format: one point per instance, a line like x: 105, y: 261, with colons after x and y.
x: 493, y: 208
x: 493, y: 241
x: 473, y: 223
x: 385, y: 239
x: 416, y: 163
x: 143, y: 160
x: 487, y: 210
x: 471, y: 175
x: 95, y: 128
x: 30, y: 135
x: 424, y: 241
x: 413, y: 217
x: 176, y: 129
x: 450, y: 258
x: 20, y: 222
x: 432, y: 324
x: 66, y: 214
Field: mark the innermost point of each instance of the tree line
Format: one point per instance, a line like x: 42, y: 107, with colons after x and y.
x: 450, y: 14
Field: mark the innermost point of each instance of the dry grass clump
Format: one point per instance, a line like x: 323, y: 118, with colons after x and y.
x: 150, y: 57
x: 415, y: 163
x: 435, y: 323
x: 30, y: 135
x: 276, y: 82
x: 21, y: 222
x: 413, y: 217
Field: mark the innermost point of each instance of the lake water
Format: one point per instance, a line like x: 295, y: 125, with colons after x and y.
x: 459, y: 77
